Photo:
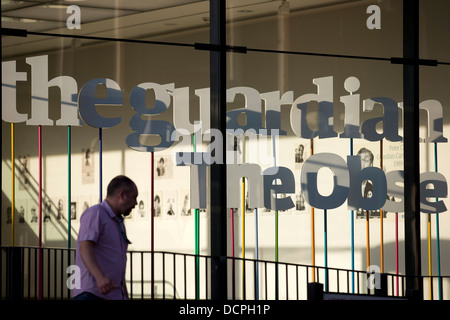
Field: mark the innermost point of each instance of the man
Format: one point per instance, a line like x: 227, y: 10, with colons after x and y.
x: 366, y: 162
x: 102, y: 244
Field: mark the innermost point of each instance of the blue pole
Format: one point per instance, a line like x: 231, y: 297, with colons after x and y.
x: 352, y: 232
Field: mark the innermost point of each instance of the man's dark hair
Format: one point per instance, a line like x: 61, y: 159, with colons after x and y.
x: 365, y: 150
x: 120, y: 182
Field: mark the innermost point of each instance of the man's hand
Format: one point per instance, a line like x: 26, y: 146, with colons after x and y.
x: 104, y: 284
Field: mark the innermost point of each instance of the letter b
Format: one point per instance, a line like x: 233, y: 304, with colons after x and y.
x: 378, y: 182
x: 309, y: 183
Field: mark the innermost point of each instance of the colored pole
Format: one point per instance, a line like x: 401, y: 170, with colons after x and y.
x: 438, y: 257
x: 197, y: 235
x: 367, y: 239
x: 12, y: 185
x: 69, y: 183
x: 381, y: 217
x: 325, y: 235
x: 437, y: 230
x: 352, y: 232
x: 243, y: 222
x: 276, y: 228
x: 256, y: 257
x: 152, y: 224
x: 396, y: 251
x: 40, y: 215
x: 430, y: 280
x: 276, y: 254
x: 233, y: 287
x: 243, y: 236
x: 313, y: 245
x: 100, y: 147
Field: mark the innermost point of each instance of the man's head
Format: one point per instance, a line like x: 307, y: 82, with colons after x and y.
x: 121, y: 195
x: 366, y: 158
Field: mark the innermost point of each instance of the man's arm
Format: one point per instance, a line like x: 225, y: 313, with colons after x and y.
x: 104, y: 284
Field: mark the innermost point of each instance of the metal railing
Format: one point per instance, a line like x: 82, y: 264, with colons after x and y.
x: 44, y: 273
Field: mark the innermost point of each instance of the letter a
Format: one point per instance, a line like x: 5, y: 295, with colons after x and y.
x: 374, y: 21
x: 74, y: 21
x: 73, y: 281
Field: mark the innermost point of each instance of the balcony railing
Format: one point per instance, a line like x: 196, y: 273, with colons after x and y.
x: 44, y: 273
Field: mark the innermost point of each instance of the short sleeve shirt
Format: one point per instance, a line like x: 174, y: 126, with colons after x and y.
x: 102, y: 226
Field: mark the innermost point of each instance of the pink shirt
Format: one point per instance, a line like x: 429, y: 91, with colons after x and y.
x: 101, y: 225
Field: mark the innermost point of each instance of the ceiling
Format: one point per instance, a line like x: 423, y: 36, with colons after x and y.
x: 130, y: 19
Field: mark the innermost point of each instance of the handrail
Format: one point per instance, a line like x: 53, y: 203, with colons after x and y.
x: 183, y: 276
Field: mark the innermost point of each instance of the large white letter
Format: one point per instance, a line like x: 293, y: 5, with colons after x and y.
x: 324, y: 97
x: 270, y: 190
x: 439, y: 190
x: 376, y: 176
x: 9, y: 99
x: 234, y: 174
x: 87, y: 102
x: 39, y: 93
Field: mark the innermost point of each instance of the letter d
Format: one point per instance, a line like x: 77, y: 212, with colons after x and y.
x: 226, y: 309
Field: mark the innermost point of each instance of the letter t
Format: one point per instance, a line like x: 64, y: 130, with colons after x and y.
x: 9, y: 99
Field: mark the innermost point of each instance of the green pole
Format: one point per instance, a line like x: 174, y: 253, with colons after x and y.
x: 197, y: 239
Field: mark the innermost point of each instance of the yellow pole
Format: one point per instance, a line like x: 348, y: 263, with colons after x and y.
x: 429, y: 257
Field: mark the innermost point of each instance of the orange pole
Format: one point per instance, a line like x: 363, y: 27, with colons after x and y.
x: 312, y: 228
x: 368, y: 238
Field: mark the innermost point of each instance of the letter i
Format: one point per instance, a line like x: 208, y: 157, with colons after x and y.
x: 352, y: 112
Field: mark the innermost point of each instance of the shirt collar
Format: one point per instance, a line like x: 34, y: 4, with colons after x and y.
x: 110, y: 211
x: 119, y: 219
